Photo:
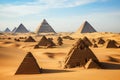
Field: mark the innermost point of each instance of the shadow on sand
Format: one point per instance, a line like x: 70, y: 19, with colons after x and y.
x: 111, y: 66
x: 54, y: 71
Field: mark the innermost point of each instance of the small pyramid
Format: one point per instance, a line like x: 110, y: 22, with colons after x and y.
x: 92, y: 65
x: 79, y: 55
x: 111, y: 44
x: 52, y: 43
x: 30, y: 39
x: 86, y: 28
x: 46, y: 42
x: 7, y: 30
x: 14, y: 29
x: 45, y: 28
x: 101, y: 41
x: 36, y: 47
x: 43, y: 41
x: 59, y: 41
x: 87, y: 41
x: 95, y: 46
x: 21, y: 29
x: 29, y: 65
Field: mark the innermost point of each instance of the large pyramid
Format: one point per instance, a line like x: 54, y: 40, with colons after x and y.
x: 86, y: 28
x: 44, y: 28
x: 79, y: 55
x: 21, y: 29
x: 7, y: 30
x: 29, y: 65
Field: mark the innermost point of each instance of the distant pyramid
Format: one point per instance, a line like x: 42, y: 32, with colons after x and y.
x: 101, y: 41
x: 86, y: 28
x: 111, y: 44
x: 14, y: 29
x: 30, y: 39
x: 36, y: 47
x: 46, y: 42
x: 79, y: 55
x: 95, y: 45
x: 7, y: 30
x: 92, y: 64
x: 45, y: 28
x: 29, y: 65
x: 21, y: 29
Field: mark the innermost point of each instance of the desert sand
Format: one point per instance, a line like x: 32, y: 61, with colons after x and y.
x: 50, y: 60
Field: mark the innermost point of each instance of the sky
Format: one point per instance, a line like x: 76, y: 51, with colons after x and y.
x: 62, y: 15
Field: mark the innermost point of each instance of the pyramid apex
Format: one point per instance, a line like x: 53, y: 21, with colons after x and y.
x: 44, y: 20
x: 29, y: 54
x: 21, y: 23
x: 86, y: 22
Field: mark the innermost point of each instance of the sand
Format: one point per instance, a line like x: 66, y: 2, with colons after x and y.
x: 12, y: 53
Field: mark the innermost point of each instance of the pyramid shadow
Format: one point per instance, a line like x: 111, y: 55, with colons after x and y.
x: 111, y: 66
x: 48, y: 71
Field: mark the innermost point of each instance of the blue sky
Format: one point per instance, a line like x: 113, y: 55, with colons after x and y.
x: 62, y: 15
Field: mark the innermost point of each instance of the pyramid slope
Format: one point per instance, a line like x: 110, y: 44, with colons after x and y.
x: 28, y: 65
x: 14, y: 29
x: 91, y: 64
x: 86, y: 28
x: 79, y: 55
x: 30, y: 39
x: 7, y: 30
x: 45, y: 28
x: 21, y: 29
x: 87, y: 41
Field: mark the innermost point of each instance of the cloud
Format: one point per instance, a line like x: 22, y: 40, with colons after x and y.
x: 38, y: 6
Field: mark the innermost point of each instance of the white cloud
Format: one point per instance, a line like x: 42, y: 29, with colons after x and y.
x: 14, y: 10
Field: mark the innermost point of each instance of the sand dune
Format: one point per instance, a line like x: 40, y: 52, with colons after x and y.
x: 12, y: 53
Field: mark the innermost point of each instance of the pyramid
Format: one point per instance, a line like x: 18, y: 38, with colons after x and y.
x: 7, y: 30
x: 21, y: 29
x: 45, y: 28
x: 14, y: 29
x: 30, y: 39
x: 29, y: 65
x: 92, y: 64
x: 101, y: 41
x: 36, y: 47
x: 87, y: 41
x: 52, y: 43
x: 45, y: 42
x: 95, y: 46
x: 86, y: 28
x: 111, y: 44
x: 79, y: 55
x: 59, y: 41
